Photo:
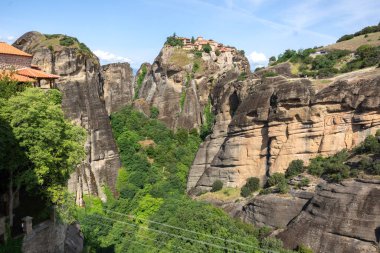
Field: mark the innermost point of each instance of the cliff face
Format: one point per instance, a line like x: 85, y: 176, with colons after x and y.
x: 117, y: 86
x: 282, y: 119
x: 82, y: 103
x: 340, y: 218
x: 179, y: 83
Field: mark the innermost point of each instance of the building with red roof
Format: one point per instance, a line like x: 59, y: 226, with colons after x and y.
x: 17, y: 65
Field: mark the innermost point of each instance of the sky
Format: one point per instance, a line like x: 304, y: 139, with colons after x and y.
x: 134, y: 31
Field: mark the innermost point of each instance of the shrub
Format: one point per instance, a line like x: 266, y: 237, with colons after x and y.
x: 283, y: 187
x: 217, y: 52
x: 269, y: 74
x: 198, y: 54
x: 304, y: 249
x: 272, y: 59
x: 330, y: 168
x: 217, y: 186
x: 244, y: 191
x: 173, y: 41
x: 253, y: 184
x: 207, y: 48
x: 154, y: 112
x: 304, y: 182
x: 295, y: 168
x: 242, y: 52
x: 276, y: 178
x: 67, y: 41
x: 271, y: 243
x: 242, y: 76
x: 265, y: 191
x: 195, y: 67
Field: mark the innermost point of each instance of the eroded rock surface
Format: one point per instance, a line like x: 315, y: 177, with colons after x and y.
x: 118, y: 90
x: 286, y: 119
x: 179, y: 83
x: 340, y: 218
x: 82, y: 103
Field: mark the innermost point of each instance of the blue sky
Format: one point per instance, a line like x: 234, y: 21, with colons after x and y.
x: 135, y: 31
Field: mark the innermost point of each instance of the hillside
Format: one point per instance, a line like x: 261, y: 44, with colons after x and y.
x: 372, y: 39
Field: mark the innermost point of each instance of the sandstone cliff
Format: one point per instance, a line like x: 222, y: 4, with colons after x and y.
x: 340, y: 218
x: 284, y: 119
x: 82, y: 103
x: 179, y: 83
x: 118, y: 91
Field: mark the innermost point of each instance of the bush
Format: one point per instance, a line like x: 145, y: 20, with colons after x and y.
x: 242, y: 76
x: 67, y: 41
x: 173, y: 41
x: 244, y: 191
x: 271, y: 243
x: 283, y: 187
x: 217, y: 186
x: 303, y: 249
x: 304, y: 182
x: 207, y: 48
x: 195, y: 67
x: 198, y: 54
x: 276, y: 178
x: 295, y: 168
x: 253, y: 184
x: 330, y: 168
x: 217, y: 52
x: 269, y: 74
x: 154, y: 112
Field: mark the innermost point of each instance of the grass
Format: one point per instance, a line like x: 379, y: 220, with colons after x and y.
x: 179, y: 57
x: 226, y: 194
x: 356, y: 42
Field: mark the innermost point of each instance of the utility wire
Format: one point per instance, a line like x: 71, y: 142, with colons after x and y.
x: 190, y: 231
x: 131, y: 232
x: 170, y: 234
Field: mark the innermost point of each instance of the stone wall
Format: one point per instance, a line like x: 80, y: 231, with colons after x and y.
x: 7, y: 61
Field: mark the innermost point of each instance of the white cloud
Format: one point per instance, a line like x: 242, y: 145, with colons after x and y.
x: 110, y: 57
x: 257, y: 58
x: 10, y: 37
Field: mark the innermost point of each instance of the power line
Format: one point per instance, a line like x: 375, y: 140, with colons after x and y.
x: 183, y: 229
x: 170, y: 234
x: 132, y: 233
x: 191, y: 231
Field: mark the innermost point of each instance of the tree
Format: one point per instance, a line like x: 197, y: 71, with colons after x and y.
x: 272, y: 59
x: 276, y: 178
x: 217, y: 186
x: 52, y: 145
x: 207, y: 48
x: 192, y: 40
x: 295, y: 168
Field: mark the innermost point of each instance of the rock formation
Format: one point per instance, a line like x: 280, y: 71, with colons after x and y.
x: 282, y: 119
x: 82, y: 103
x: 117, y: 86
x: 50, y: 237
x: 340, y: 218
x: 179, y: 83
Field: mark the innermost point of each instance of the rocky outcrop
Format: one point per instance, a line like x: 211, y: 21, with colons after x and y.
x: 118, y: 90
x: 82, y: 103
x: 286, y: 119
x: 179, y: 83
x: 340, y: 218
x: 48, y: 237
x: 274, y: 210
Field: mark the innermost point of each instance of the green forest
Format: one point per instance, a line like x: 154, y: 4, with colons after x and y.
x: 152, y: 212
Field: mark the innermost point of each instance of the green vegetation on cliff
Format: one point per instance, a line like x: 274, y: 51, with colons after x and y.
x: 39, y: 148
x: 152, y: 212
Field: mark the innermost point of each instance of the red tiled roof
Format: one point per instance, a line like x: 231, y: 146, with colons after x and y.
x: 15, y: 77
x: 34, y: 73
x: 8, y: 49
